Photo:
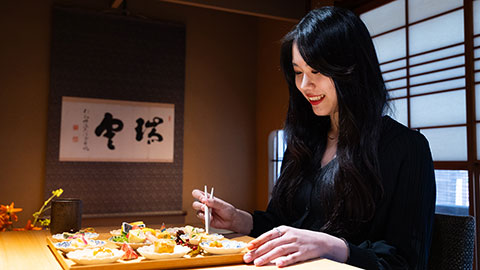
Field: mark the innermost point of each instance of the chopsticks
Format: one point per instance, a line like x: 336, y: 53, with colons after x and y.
x: 207, y: 211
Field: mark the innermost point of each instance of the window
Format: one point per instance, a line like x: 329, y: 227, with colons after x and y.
x: 276, y: 147
x: 429, y: 51
x: 422, y: 53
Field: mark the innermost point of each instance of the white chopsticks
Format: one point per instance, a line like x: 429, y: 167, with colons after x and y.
x: 207, y: 211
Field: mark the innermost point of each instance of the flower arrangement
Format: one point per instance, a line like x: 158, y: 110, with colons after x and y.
x: 8, y: 215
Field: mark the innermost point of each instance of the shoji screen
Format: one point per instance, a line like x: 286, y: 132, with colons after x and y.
x: 421, y: 48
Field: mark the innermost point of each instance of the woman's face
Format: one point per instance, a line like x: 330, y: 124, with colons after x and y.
x: 317, y: 88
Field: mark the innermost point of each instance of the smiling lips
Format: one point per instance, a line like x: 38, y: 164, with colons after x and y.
x: 315, y: 100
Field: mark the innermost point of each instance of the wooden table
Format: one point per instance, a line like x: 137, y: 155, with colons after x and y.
x: 29, y: 250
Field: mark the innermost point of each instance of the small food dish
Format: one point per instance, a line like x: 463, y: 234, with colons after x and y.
x: 149, y: 253
x: 196, y: 239
x: 186, y: 229
x: 133, y: 245
x: 78, y: 243
x: 223, y: 246
x: 67, y: 236
x: 95, y: 255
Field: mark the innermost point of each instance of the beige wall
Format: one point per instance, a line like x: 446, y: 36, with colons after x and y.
x: 272, y: 98
x: 234, y: 95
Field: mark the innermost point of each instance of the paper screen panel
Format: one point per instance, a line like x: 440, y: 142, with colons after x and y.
x: 398, y: 93
x: 393, y: 65
x: 447, y: 144
x: 477, y: 104
x: 459, y: 49
x: 451, y: 62
x: 439, y: 75
x: 478, y: 140
x: 421, y: 9
x: 390, y: 46
x: 385, y: 18
x: 432, y: 87
x: 476, y: 17
x: 446, y: 108
x: 396, y: 83
x: 394, y: 74
x: 436, y: 33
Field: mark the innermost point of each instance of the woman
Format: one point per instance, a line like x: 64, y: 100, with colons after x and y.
x: 355, y: 186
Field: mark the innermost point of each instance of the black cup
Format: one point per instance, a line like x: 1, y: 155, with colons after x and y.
x: 66, y: 215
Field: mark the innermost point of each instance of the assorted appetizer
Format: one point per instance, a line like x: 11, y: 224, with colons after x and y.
x: 88, y: 233
x: 136, y: 241
x: 78, y: 243
x: 136, y: 234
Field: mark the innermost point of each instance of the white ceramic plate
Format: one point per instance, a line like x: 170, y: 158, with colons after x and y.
x: 87, y: 235
x: 149, y: 253
x: 228, y: 247
x: 85, y: 256
x: 67, y: 246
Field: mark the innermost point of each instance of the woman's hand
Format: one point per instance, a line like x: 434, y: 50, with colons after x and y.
x: 223, y: 214
x: 286, y: 245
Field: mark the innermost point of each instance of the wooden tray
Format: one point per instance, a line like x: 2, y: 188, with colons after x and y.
x: 208, y: 260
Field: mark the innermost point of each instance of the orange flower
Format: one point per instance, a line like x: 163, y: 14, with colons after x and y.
x: 4, y: 222
x: 11, y: 211
x: 8, y: 215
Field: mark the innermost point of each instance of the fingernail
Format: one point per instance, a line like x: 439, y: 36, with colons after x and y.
x: 258, y: 261
x: 250, y: 246
x: 247, y: 257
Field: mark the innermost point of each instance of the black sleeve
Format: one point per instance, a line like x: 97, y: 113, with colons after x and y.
x: 406, y: 229
x: 264, y: 221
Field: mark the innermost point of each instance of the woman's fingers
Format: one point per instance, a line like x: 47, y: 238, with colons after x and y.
x: 198, y: 194
x: 274, y: 233
x: 280, y: 250
x: 289, y: 259
x: 214, y: 202
x: 198, y: 206
x: 266, y: 248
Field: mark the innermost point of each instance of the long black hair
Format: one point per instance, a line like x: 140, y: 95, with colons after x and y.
x: 336, y: 43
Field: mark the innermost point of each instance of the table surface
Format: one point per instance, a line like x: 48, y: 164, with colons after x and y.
x: 29, y: 250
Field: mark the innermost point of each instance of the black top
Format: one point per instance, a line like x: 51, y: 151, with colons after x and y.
x: 399, y: 235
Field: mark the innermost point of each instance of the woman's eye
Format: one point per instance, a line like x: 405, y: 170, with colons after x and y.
x: 297, y: 72
x: 315, y: 72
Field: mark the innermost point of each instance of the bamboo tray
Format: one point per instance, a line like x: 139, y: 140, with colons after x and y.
x: 207, y: 260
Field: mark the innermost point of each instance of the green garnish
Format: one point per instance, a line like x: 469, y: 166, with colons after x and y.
x: 119, y: 238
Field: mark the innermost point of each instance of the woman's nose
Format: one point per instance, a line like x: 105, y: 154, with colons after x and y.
x: 306, y: 82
